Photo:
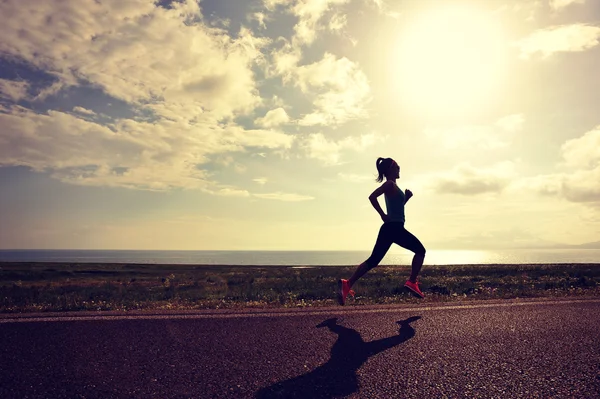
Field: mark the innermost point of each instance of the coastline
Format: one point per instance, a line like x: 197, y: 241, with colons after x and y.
x: 64, y: 287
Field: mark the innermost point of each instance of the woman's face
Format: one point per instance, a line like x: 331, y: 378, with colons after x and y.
x: 394, y: 171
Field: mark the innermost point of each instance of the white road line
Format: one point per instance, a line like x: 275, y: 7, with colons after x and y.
x: 277, y: 313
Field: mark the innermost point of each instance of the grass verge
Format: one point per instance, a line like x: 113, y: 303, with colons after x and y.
x: 39, y: 287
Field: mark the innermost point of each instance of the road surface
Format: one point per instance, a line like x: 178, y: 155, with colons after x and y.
x: 504, y: 349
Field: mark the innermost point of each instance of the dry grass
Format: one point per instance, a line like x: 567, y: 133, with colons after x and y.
x: 27, y: 287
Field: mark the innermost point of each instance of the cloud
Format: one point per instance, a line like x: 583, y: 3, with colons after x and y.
x: 284, y: 61
x: 14, y: 90
x: 337, y: 23
x: 232, y: 192
x: 289, y: 197
x: 496, y: 135
x: 560, y: 4
x: 277, y: 196
x: 355, y: 178
x: 114, y: 45
x: 548, y: 185
x: 271, y: 5
x: 584, y: 151
x: 384, y: 9
x: 582, y: 186
x: 337, y: 87
x: 341, y: 90
x: 83, y: 111
x: 158, y: 156
x: 565, y: 38
x: 581, y: 156
x: 511, y: 123
x: 317, y: 146
x: 465, y: 179
x: 185, y: 80
x: 274, y: 117
x: 260, y: 180
x: 259, y: 17
x: 309, y: 14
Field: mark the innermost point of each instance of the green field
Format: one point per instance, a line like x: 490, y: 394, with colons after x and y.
x: 35, y: 287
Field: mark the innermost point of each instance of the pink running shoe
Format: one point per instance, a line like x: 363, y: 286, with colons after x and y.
x: 343, y: 291
x: 414, y: 288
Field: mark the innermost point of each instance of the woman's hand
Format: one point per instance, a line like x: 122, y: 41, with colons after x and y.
x: 384, y: 217
x: 408, y: 194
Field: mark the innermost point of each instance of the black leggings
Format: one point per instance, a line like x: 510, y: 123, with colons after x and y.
x: 393, y: 232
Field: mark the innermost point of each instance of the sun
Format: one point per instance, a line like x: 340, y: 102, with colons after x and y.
x: 449, y: 59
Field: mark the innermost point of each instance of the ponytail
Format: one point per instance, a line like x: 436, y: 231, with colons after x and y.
x: 382, y: 164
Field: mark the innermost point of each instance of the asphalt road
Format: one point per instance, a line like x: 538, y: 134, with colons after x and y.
x: 508, y: 349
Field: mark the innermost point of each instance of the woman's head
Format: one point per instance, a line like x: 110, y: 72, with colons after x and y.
x: 388, y: 168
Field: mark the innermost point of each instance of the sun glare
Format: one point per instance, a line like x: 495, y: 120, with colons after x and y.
x: 449, y: 59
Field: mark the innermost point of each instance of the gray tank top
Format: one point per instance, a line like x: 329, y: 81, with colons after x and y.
x: 395, y: 205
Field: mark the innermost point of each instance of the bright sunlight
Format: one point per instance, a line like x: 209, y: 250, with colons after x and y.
x: 449, y: 60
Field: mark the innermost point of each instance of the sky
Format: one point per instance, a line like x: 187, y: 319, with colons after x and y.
x: 256, y: 125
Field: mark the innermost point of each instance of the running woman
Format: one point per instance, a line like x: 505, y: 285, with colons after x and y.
x: 392, y: 230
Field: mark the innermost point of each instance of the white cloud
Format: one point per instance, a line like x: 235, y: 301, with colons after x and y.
x: 278, y: 196
x: 273, y: 118
x: 583, y: 154
x: 232, y: 192
x: 579, y: 183
x: 342, y: 90
x: 565, y: 38
x: 191, y: 78
x: 156, y: 156
x: 319, y: 147
x: 337, y: 22
x: 259, y: 17
x: 384, y: 9
x: 482, y: 137
x: 355, y: 178
x: 114, y: 45
x: 511, y: 123
x: 273, y: 4
x: 496, y: 135
x: 580, y: 186
x: 584, y: 151
x: 309, y: 13
x: 314, y: 119
x: 260, y: 180
x: 549, y: 184
x: 14, y: 90
x: 338, y: 88
x: 81, y: 110
x: 466, y: 179
x: 560, y: 4
x: 290, y: 197
x: 284, y: 61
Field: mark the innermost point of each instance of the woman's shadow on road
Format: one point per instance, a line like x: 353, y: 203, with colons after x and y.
x: 337, y: 377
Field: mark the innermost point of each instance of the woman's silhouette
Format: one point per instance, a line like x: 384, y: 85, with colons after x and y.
x: 392, y: 230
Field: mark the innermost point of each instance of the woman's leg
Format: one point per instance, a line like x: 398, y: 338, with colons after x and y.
x: 382, y: 245
x: 417, y: 264
x: 407, y: 240
x: 359, y: 272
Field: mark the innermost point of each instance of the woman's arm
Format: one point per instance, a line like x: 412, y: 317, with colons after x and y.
x: 407, y: 195
x: 373, y: 198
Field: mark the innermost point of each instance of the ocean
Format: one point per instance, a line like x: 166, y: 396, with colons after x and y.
x: 303, y: 258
